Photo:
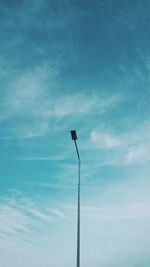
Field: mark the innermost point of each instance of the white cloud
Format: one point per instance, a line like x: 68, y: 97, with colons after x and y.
x: 127, y: 147
x: 30, y: 230
x: 35, y: 95
x: 104, y: 140
x: 38, y: 158
x: 36, y: 104
x: 74, y: 104
x: 139, y: 153
x: 39, y: 215
x: 58, y: 213
x: 12, y: 220
x: 19, y: 214
x: 133, y: 210
x: 27, y: 95
x: 81, y: 103
x: 119, y: 214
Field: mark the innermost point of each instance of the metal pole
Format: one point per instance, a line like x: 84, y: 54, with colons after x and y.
x: 74, y: 138
x: 78, y: 213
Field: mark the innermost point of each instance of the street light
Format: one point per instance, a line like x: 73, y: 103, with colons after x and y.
x: 74, y: 138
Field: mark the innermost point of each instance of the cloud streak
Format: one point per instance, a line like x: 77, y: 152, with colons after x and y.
x: 128, y: 148
x: 37, y: 107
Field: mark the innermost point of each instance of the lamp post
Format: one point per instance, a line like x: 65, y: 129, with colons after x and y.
x: 74, y: 138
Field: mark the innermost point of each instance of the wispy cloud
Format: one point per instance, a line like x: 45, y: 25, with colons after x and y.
x: 18, y: 215
x: 27, y: 95
x: 127, y: 148
x: 80, y: 103
x: 36, y: 105
x: 30, y: 96
x: 137, y: 154
x: 105, y: 140
x: 120, y: 211
x: 24, y: 231
x: 58, y: 213
x: 12, y: 221
x: 51, y: 158
x: 134, y: 210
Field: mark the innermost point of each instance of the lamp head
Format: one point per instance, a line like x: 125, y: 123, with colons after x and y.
x: 73, y: 135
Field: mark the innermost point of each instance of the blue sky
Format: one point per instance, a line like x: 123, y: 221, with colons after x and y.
x: 81, y: 65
